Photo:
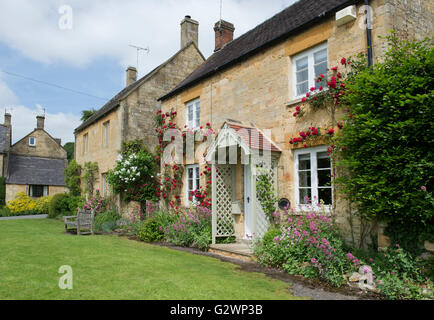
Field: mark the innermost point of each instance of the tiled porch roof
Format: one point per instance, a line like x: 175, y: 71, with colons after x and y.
x: 253, y: 137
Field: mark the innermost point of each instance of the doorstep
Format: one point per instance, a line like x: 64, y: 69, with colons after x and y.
x: 238, y: 250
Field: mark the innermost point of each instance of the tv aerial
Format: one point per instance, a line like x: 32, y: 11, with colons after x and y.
x: 138, y: 52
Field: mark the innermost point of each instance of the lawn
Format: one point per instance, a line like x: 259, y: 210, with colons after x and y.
x: 111, y: 267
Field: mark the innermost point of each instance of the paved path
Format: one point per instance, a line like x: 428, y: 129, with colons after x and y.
x: 39, y: 216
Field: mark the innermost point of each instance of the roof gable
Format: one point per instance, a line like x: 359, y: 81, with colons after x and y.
x: 115, y: 101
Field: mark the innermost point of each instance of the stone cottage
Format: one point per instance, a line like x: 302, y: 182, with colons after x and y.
x: 250, y: 87
x: 35, y: 164
x: 129, y: 115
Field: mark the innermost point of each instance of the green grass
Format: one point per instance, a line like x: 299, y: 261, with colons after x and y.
x: 110, y: 267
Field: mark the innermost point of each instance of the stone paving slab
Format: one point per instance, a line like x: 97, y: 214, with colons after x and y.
x: 34, y: 217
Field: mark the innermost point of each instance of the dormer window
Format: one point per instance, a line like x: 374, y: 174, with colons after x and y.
x: 32, y: 141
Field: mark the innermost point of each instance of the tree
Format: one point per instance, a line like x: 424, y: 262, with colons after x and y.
x: 69, y: 147
x: 86, y: 114
x: 72, y: 178
x: 387, y: 141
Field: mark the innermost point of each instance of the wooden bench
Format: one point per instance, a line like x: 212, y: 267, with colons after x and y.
x: 83, y: 220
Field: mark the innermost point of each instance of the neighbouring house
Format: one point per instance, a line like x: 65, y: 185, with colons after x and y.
x: 249, y: 89
x: 130, y: 114
x: 35, y: 164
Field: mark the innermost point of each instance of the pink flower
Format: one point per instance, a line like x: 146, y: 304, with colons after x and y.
x: 423, y: 188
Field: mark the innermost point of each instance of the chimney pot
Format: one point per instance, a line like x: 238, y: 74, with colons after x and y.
x: 189, y: 31
x: 224, y: 33
x: 131, y: 75
x: 40, y: 122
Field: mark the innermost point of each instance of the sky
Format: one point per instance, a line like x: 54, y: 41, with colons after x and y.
x: 83, y: 46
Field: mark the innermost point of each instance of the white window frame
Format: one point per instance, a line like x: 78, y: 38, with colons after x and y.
x: 106, y: 126
x: 196, y: 177
x: 34, y: 141
x: 311, y: 70
x: 314, y: 177
x: 191, y: 123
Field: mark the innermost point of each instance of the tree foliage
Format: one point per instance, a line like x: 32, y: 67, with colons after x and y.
x: 388, y: 138
x: 69, y: 147
x: 86, y: 114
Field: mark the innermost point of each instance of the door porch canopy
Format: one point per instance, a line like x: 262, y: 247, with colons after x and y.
x: 258, y: 152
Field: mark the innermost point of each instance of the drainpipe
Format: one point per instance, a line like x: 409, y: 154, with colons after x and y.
x: 369, y: 32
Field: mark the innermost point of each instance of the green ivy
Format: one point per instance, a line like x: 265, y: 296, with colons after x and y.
x: 266, y: 195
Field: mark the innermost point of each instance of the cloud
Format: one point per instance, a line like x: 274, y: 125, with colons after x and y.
x: 58, y: 125
x: 105, y: 28
x: 7, y: 97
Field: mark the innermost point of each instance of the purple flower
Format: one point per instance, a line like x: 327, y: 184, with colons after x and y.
x: 350, y: 256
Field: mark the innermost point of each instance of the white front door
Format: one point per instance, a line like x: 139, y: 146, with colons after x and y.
x: 248, y: 223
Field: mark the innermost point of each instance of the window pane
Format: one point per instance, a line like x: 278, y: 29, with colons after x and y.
x: 190, y: 185
x: 320, y: 56
x: 324, y: 178
x: 302, y: 88
x: 302, y: 76
x: 190, y: 173
x: 320, y: 69
x: 304, y: 178
x: 304, y: 162
x: 197, y: 123
x: 325, y: 194
x: 197, y: 178
x: 303, y: 194
x: 302, y: 63
x: 190, y: 113
x: 323, y: 160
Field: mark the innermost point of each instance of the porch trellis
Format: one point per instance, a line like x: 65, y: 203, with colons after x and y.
x: 224, y: 195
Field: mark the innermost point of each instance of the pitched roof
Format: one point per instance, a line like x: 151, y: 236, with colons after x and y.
x: 114, y: 102
x: 275, y: 29
x: 36, y: 170
x: 253, y: 137
x: 3, y: 138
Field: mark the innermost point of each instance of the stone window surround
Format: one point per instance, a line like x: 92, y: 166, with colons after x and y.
x: 314, y: 177
x: 196, y: 178
x: 311, y: 72
x: 45, y: 191
x: 85, y: 142
x: 30, y: 142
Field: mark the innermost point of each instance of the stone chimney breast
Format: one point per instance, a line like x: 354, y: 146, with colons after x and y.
x: 224, y: 33
x: 131, y: 75
x: 189, y: 32
x: 8, y: 119
x: 40, y: 122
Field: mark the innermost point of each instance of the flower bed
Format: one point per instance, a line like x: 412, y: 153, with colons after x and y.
x: 308, y: 244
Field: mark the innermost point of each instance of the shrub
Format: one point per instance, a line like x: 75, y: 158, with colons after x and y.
x: 134, y: 176
x: 308, y: 245
x: 106, y: 221
x: 22, y: 204
x: 190, y: 228
x: 59, y: 205
x: 5, y: 212
x: 72, y: 178
x: 150, y: 231
x: 43, y: 205
x: 96, y: 203
x: 388, y: 139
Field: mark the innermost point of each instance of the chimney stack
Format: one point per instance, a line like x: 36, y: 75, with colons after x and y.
x: 8, y: 118
x: 40, y: 122
x: 131, y: 75
x: 189, y: 32
x: 224, y: 33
